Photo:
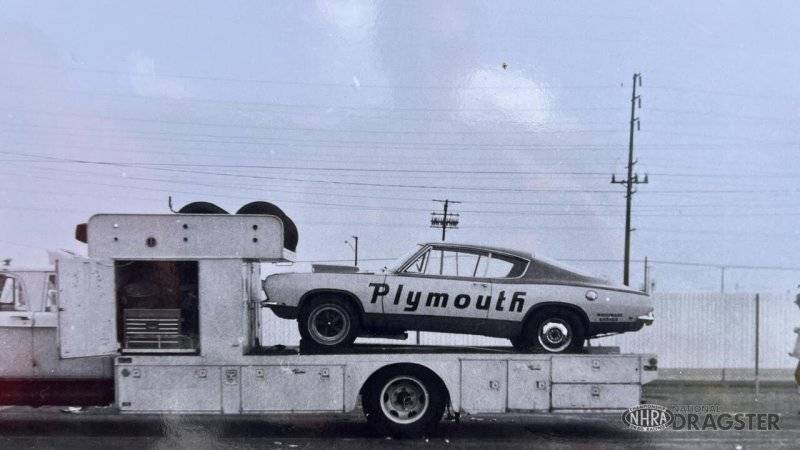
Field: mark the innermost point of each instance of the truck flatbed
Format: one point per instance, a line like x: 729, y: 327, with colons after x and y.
x: 367, y: 349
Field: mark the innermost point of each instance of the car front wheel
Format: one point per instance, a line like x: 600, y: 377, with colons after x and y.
x: 328, y: 323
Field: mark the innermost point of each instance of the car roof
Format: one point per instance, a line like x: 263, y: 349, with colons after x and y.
x: 508, y: 251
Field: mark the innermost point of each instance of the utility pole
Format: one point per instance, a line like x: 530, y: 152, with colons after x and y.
x: 444, y: 219
x: 632, y: 178
x: 355, y: 249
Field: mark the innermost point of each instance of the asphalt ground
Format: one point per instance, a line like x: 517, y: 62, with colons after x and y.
x: 22, y: 427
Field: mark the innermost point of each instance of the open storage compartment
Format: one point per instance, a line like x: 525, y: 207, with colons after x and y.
x: 157, y: 306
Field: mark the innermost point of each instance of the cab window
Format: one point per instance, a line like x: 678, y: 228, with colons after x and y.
x: 8, y: 294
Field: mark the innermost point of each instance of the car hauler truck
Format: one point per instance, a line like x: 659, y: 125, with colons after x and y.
x: 175, y: 300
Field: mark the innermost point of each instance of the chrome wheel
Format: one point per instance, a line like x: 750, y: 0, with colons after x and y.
x: 555, y: 335
x: 329, y: 324
x: 404, y: 400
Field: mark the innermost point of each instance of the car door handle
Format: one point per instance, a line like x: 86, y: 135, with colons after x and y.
x: 22, y: 317
x: 480, y: 284
x: 298, y: 371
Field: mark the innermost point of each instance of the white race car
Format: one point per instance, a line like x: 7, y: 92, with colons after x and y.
x: 455, y: 288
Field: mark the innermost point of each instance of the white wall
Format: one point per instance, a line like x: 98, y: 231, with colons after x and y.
x: 692, y: 330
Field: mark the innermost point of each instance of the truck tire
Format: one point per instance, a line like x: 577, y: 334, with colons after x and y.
x: 404, y: 402
x: 552, y: 330
x: 328, y: 323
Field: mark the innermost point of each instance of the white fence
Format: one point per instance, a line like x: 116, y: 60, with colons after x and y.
x: 692, y: 330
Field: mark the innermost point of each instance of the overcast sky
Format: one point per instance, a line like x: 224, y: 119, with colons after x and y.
x: 358, y: 114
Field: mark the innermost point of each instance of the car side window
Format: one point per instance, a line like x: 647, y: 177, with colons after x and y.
x: 450, y: 263
x: 418, y: 266
x: 501, y: 266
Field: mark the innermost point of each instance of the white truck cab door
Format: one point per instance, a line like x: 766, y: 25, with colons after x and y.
x: 87, y: 307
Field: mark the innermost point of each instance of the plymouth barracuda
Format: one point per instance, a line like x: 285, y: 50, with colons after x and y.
x: 539, y: 305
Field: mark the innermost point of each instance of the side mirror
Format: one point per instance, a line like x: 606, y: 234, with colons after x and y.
x: 19, y: 298
x: 52, y: 300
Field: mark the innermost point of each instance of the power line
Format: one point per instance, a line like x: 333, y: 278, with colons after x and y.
x: 399, y: 185
x: 334, y: 182
x: 536, y: 162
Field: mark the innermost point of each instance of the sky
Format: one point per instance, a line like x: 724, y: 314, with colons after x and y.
x: 352, y: 116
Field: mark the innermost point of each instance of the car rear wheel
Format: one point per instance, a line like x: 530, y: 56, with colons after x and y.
x: 404, y: 402
x: 328, y: 323
x: 552, y: 330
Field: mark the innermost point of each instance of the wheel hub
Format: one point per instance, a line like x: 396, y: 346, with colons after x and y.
x: 554, y: 335
x: 404, y: 400
x: 329, y: 324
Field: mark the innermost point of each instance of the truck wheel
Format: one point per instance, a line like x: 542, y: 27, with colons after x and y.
x: 404, y: 402
x: 554, y: 330
x: 327, y: 323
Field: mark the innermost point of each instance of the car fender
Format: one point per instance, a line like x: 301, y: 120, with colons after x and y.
x: 353, y: 298
x: 566, y: 305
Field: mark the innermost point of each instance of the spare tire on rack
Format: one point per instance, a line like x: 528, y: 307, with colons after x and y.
x: 290, y: 235
x: 201, y: 208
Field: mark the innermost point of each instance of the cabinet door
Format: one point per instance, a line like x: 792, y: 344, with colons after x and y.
x: 596, y: 396
x: 292, y: 388
x: 87, y: 313
x: 483, y: 386
x: 186, y: 389
x: 596, y: 369
x: 529, y: 385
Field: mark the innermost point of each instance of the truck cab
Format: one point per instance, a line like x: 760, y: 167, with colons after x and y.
x: 31, y: 365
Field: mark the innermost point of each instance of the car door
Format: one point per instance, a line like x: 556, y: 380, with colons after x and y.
x: 512, y: 298
x: 438, y: 291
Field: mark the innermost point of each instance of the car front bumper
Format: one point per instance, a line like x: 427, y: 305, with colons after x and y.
x: 281, y: 310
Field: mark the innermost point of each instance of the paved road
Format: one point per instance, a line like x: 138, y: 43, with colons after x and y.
x: 99, y: 428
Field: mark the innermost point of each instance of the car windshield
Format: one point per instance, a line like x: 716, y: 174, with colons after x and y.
x: 399, y: 262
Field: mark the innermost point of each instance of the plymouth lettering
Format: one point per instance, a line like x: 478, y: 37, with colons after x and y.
x: 413, y: 300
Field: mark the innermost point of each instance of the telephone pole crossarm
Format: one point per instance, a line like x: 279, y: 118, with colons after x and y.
x: 445, y: 219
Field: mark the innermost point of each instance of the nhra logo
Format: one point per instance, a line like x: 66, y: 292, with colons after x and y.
x: 648, y: 418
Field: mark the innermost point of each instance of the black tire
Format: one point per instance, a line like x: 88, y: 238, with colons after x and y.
x: 552, y: 330
x: 404, y: 402
x: 328, y: 323
x: 520, y: 343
